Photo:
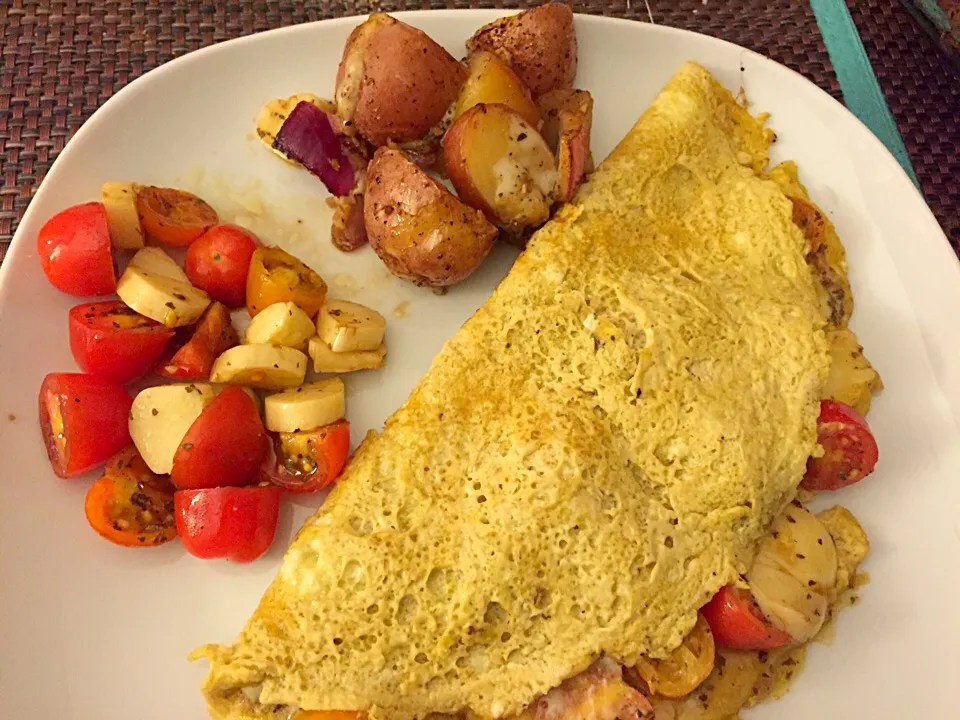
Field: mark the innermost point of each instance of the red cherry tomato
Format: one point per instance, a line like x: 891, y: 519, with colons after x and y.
x: 218, y: 261
x: 233, y: 523
x: 737, y: 622
x: 83, y: 420
x: 173, y: 217
x: 850, y: 452
x: 130, y: 505
x: 305, y: 462
x: 225, y: 445
x: 111, y: 341
x: 213, y: 335
x: 74, y: 250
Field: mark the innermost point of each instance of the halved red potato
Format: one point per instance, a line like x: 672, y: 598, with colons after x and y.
x: 347, y: 232
x: 394, y: 82
x: 419, y: 229
x: 539, y: 44
x: 567, y: 121
x: 498, y: 162
x: 490, y: 80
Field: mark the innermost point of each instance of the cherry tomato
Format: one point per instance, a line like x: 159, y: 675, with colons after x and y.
x: 83, y: 420
x: 233, y: 523
x: 277, y: 276
x: 685, y: 668
x: 213, y: 335
x: 218, y: 262
x: 173, y: 217
x: 74, y: 250
x: 738, y: 623
x: 224, y: 446
x: 850, y: 452
x: 130, y: 505
x: 305, y: 462
x: 111, y: 341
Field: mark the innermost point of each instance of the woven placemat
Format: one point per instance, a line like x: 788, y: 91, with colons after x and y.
x: 64, y: 58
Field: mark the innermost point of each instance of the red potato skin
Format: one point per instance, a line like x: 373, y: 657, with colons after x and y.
x: 407, y: 82
x: 567, y: 122
x: 539, y: 44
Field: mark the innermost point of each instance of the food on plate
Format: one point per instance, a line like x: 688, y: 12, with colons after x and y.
x: 307, y: 137
x: 74, y: 250
x: 277, y: 276
x: 394, y: 82
x: 224, y: 446
x: 270, y: 367
x: 155, y: 261
x: 275, y: 113
x: 282, y: 323
x: 310, y: 460
x: 173, y: 217
x: 852, y: 380
x: 236, y: 523
x: 307, y: 407
x: 498, y: 162
x: 83, y: 420
x: 111, y: 341
x: 348, y: 326
x: 130, y: 505
x: 218, y: 263
x: 213, y: 335
x: 567, y: 123
x: 539, y: 44
x: 123, y: 221
x: 849, y: 450
x: 419, y: 229
x: 586, y: 468
x: 326, y: 360
x: 490, y: 80
x: 348, y: 232
x: 171, y: 302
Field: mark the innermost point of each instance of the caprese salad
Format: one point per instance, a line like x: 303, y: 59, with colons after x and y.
x: 232, y: 422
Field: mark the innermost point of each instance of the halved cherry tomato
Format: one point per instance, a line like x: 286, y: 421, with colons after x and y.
x: 83, y: 420
x: 738, y: 623
x: 173, y: 217
x: 305, y: 462
x: 213, y: 335
x: 110, y: 340
x: 686, y: 667
x: 74, y: 250
x: 219, y: 260
x: 233, y: 523
x: 277, y: 276
x: 224, y: 446
x: 850, y: 452
x: 130, y: 505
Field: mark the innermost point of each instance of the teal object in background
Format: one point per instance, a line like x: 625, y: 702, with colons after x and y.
x: 858, y: 83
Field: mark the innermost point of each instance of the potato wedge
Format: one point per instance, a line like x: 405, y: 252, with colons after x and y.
x: 498, y: 162
x: 539, y: 44
x: 419, y: 229
x: 567, y: 122
x: 347, y: 232
x: 394, y: 82
x: 490, y: 80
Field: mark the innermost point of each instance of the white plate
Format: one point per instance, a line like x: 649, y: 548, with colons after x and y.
x: 91, y: 631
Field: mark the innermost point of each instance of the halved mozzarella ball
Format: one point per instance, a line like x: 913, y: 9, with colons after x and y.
x: 271, y: 367
x: 160, y: 417
x: 306, y: 408
x: 168, y: 301
x: 282, y: 323
x: 156, y: 262
x: 800, y: 545
x: 788, y: 604
x: 326, y: 360
x: 348, y: 327
x: 123, y: 220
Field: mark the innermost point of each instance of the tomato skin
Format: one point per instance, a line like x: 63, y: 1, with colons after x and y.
x: 111, y: 341
x: 328, y: 448
x: 850, y: 450
x: 277, y: 276
x: 224, y: 446
x: 83, y: 420
x: 737, y: 622
x: 218, y: 262
x: 74, y: 249
x: 173, y: 217
x: 238, y: 524
x: 213, y: 335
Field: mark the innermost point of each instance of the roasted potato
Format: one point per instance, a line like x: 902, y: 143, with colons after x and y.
x: 394, y: 82
x: 419, y: 229
x: 567, y: 121
x: 539, y: 44
x: 490, y: 80
x: 498, y: 162
x: 348, y: 232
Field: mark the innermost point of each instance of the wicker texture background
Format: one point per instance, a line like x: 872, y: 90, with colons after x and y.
x: 61, y: 59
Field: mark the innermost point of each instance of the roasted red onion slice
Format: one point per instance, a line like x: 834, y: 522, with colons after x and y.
x: 307, y: 136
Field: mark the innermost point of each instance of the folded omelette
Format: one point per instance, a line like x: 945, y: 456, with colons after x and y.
x: 590, y: 457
